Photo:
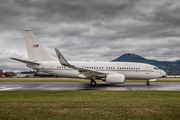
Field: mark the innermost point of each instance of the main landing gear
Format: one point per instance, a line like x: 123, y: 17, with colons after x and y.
x: 93, y: 82
x: 148, y: 83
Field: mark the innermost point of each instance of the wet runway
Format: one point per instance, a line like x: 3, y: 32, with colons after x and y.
x: 59, y: 86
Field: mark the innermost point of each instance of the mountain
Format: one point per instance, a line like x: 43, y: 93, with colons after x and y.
x: 167, y: 66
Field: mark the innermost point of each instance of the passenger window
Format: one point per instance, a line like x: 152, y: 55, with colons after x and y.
x: 155, y: 68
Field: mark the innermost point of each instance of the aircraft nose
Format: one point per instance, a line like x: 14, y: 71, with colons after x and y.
x: 163, y: 73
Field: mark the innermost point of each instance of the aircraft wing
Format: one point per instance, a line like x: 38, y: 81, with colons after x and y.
x: 83, y: 72
x: 26, y: 62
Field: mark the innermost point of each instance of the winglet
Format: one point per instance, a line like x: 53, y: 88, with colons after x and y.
x: 62, y: 60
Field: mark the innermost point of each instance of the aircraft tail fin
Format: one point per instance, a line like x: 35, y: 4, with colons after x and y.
x: 35, y: 50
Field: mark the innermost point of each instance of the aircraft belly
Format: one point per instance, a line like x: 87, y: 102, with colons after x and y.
x: 139, y: 75
x: 65, y: 73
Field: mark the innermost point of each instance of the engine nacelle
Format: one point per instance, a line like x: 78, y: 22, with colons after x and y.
x: 115, y: 78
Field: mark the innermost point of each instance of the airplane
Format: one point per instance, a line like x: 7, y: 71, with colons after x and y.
x: 109, y: 72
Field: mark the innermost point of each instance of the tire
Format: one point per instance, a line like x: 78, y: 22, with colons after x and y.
x: 93, y: 83
x: 148, y: 83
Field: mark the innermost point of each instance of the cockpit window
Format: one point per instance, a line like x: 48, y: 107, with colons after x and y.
x: 155, y: 68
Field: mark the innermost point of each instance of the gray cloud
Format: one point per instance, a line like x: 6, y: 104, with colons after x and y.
x: 167, y: 13
x: 91, y: 30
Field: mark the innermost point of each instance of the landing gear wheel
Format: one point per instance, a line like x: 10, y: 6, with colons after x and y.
x: 148, y: 83
x: 93, y: 83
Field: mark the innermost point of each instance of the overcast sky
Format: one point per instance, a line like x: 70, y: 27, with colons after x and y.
x: 90, y: 30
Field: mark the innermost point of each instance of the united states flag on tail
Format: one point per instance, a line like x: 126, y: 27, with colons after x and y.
x: 35, y: 46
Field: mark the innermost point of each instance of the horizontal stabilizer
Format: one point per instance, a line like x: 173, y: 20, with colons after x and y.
x: 25, y: 61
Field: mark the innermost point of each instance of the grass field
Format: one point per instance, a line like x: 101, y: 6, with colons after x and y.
x: 89, y: 105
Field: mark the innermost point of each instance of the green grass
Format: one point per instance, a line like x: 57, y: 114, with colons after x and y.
x: 89, y: 105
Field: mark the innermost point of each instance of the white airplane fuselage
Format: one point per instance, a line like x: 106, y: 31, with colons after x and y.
x: 131, y: 70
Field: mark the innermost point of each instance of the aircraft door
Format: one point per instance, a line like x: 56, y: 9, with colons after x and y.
x: 147, y: 68
x: 51, y: 69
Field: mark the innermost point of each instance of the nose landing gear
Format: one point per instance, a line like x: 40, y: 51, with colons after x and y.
x: 93, y: 82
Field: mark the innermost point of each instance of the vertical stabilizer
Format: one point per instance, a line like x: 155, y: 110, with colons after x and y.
x: 35, y: 51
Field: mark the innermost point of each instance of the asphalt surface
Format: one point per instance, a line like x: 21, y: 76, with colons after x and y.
x: 59, y: 86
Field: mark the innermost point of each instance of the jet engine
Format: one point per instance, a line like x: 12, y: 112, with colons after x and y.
x: 115, y: 78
